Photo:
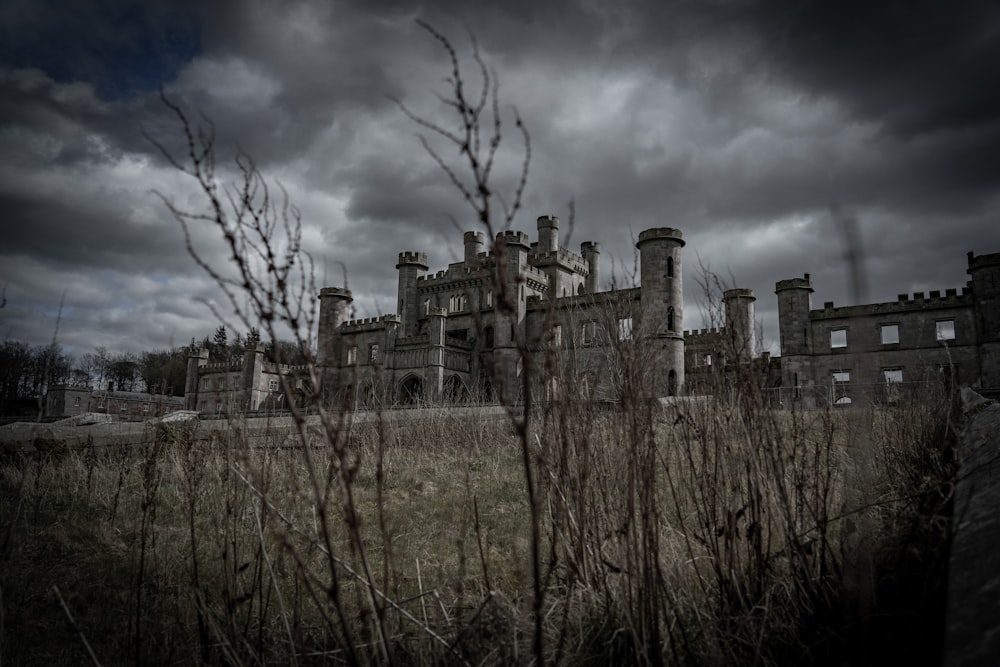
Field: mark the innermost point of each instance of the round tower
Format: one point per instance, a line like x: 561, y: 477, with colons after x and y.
x: 411, y: 265
x: 984, y: 271
x: 334, y: 310
x: 591, y: 253
x: 548, y: 233
x: 662, y: 300
x: 197, y: 357
x: 473, y: 246
x: 740, y: 322
x: 794, y: 304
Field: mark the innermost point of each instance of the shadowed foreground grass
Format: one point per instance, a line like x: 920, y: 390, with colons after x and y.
x: 710, y: 535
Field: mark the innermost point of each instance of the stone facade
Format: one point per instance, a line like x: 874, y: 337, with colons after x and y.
x: 73, y: 400
x: 245, y: 384
x: 461, y: 332
x: 468, y: 331
x: 880, y: 351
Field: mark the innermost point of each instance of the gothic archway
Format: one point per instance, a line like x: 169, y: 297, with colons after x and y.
x: 411, y: 390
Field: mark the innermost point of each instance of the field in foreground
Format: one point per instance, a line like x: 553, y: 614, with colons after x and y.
x: 710, y: 535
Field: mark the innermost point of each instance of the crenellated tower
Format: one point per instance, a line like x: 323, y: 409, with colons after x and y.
x: 662, y: 299
x: 591, y: 253
x: 411, y: 265
x: 548, y: 233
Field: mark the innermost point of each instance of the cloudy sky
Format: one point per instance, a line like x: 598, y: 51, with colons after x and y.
x: 744, y: 124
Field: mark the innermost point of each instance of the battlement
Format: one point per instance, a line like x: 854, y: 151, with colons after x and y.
x: 223, y: 366
x: 437, y: 312
x: 660, y: 233
x: 474, y: 237
x: 951, y: 298
x: 562, y: 256
x: 982, y: 261
x: 411, y: 258
x: 458, y: 273
x: 794, y: 283
x: 337, y: 292
x: 512, y: 237
x: 370, y: 323
x: 548, y: 222
x: 588, y: 247
x: 694, y: 333
x: 631, y: 294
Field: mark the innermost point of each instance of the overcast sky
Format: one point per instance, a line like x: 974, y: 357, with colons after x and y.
x: 743, y: 124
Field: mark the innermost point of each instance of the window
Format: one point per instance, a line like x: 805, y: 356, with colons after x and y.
x: 373, y: 352
x: 489, y: 298
x: 670, y: 267
x: 427, y: 306
x: 946, y: 329
x: 145, y: 407
x: 890, y: 334
x: 838, y: 338
x: 272, y: 385
x: 587, y: 333
x: 76, y: 402
x: 670, y: 318
x: 893, y: 379
x: 456, y: 303
x: 708, y: 360
x: 840, y: 393
x: 892, y: 375
x: 624, y: 328
x: 352, y: 355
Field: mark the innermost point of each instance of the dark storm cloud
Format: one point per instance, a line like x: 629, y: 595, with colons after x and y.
x: 920, y: 66
x: 120, y: 47
x: 741, y: 123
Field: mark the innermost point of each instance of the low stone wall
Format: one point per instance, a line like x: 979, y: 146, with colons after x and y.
x: 972, y: 633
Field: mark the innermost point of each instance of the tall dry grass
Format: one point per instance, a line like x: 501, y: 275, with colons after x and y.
x: 709, y: 534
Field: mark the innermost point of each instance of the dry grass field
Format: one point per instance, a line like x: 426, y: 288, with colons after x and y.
x: 706, y: 534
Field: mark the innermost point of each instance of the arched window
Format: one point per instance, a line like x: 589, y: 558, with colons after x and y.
x: 411, y: 390
x: 670, y: 267
x: 672, y: 383
x: 670, y: 319
x: 488, y: 337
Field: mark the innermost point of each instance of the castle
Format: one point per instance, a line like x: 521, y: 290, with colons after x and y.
x: 467, y: 332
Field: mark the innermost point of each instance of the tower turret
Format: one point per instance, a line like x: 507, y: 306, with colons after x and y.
x: 334, y: 310
x: 740, y: 322
x: 411, y: 265
x: 548, y: 233
x: 591, y: 253
x: 985, y: 279
x: 197, y: 357
x: 794, y: 304
x: 473, y: 246
x: 662, y: 297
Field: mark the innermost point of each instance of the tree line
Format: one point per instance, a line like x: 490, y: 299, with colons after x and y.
x: 26, y: 371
